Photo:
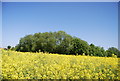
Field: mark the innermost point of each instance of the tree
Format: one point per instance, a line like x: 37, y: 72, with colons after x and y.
x: 8, y: 47
x: 113, y: 50
x: 96, y: 51
x: 25, y: 44
x: 80, y: 46
x: 53, y: 42
x: 92, y: 50
x: 62, y: 43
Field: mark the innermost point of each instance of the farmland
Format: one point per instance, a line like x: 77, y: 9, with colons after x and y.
x: 27, y: 65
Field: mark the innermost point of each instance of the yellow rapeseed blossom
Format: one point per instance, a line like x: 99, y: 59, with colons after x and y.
x: 26, y: 65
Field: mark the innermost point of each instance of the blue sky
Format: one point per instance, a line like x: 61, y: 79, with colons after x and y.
x: 94, y: 22
x: 0, y: 24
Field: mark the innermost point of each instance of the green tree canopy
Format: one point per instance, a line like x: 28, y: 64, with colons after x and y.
x: 62, y: 43
x: 113, y: 50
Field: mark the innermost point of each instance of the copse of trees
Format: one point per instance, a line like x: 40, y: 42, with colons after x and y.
x: 114, y: 51
x: 62, y: 43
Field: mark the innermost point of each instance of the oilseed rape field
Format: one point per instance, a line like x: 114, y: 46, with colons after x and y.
x: 26, y: 65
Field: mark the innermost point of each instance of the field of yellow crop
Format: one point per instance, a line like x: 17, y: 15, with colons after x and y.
x: 19, y: 65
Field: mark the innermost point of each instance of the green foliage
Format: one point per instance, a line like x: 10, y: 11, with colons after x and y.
x: 62, y: 43
x: 80, y: 46
x: 113, y: 55
x: 97, y: 51
x: 8, y: 47
x: 114, y: 51
x: 53, y: 42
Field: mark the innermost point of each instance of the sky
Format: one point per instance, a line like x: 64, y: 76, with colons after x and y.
x: 94, y: 22
x: 0, y: 24
x: 60, y: 0
x: 119, y: 26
